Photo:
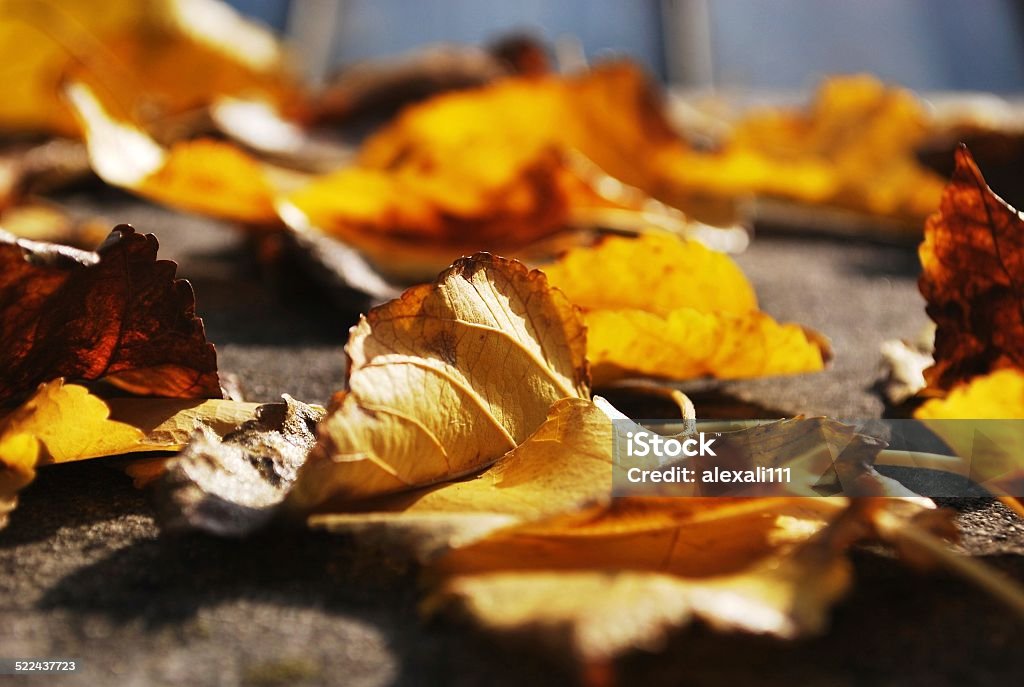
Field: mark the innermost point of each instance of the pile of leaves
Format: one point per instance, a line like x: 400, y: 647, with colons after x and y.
x: 467, y: 435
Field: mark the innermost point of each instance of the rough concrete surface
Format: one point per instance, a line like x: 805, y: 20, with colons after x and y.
x: 84, y: 572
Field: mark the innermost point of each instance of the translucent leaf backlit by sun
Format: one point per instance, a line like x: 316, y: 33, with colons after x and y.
x: 445, y: 380
x: 664, y: 307
x: 117, y: 314
x: 972, y: 263
x: 565, y: 465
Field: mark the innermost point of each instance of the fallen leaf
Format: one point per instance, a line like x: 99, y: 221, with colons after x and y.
x: 997, y: 395
x: 563, y: 466
x: 445, y: 380
x: 853, y: 147
x: 408, y: 222
x: 62, y: 422
x: 162, y: 58
x: 989, y: 447
x: 232, y: 486
x: 624, y: 577
x: 499, y: 168
x: 665, y: 307
x: 972, y: 258
x: 205, y: 176
x: 117, y: 314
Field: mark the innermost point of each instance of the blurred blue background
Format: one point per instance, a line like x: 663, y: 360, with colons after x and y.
x: 781, y: 44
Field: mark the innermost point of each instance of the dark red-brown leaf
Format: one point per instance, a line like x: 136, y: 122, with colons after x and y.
x: 973, y: 279
x: 116, y: 314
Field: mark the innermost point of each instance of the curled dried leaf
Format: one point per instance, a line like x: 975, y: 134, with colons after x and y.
x: 445, y: 380
x: 622, y: 578
x: 500, y: 168
x: 853, y: 147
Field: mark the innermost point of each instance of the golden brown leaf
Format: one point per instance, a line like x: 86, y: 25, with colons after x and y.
x: 117, y: 314
x: 565, y: 465
x: 625, y: 576
x: 665, y: 307
x: 972, y: 260
x: 161, y: 57
x: 997, y: 395
x: 612, y: 115
x: 445, y: 380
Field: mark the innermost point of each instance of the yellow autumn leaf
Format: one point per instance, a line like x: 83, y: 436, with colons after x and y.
x: 661, y: 306
x: 162, y: 58
x: 991, y: 450
x: 854, y: 146
x: 204, y: 176
x: 500, y: 168
x: 997, y: 395
x: 65, y: 422
x: 445, y: 380
x: 18, y: 455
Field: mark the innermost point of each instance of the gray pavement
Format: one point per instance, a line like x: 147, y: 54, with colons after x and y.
x: 84, y: 572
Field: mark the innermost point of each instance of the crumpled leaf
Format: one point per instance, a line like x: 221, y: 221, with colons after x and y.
x: 162, y: 58
x: 565, y: 465
x: 972, y: 259
x: 665, y: 307
x: 117, y: 314
x: 62, y: 422
x: 204, y: 175
x: 232, y: 486
x: 445, y: 380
